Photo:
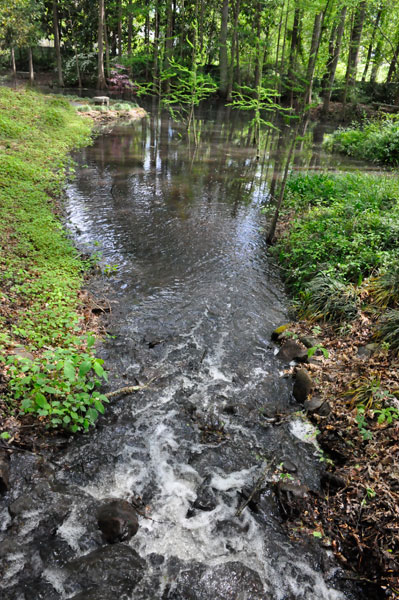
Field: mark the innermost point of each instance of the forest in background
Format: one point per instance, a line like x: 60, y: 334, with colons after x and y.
x: 312, y: 50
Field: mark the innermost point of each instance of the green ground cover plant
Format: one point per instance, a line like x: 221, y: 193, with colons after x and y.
x: 346, y: 226
x: 41, y: 272
x: 375, y: 140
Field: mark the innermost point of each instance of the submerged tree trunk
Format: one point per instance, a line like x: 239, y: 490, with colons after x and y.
x: 57, y: 44
x: 100, y: 75
x: 354, y: 47
x: 31, y: 71
x: 223, y: 50
x: 333, y: 65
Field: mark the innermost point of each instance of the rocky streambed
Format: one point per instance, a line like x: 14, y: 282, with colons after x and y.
x: 211, y: 453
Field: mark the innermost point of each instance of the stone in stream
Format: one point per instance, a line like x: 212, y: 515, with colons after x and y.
x: 291, y: 350
x: 116, y: 569
x: 313, y: 404
x: 302, y: 386
x: 117, y: 520
x: 4, y: 472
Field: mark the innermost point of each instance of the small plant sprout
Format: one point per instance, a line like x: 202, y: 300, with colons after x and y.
x: 318, y: 348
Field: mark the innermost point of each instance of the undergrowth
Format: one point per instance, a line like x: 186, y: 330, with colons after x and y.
x: 40, y: 270
x: 376, y: 140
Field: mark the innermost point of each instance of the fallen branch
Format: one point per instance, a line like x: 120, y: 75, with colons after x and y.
x: 129, y: 389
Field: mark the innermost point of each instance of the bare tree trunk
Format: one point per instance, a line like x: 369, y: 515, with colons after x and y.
x: 75, y: 51
x: 333, y: 65
x: 257, y: 74
x: 376, y: 61
x: 168, y: 40
x: 13, y: 65
x: 130, y: 28
x: 293, y: 52
x: 119, y: 28
x: 353, y: 56
x: 57, y: 44
x: 393, y: 64
x: 314, y: 50
x: 156, y: 44
x: 370, y: 48
x: 234, y: 44
x: 101, y: 17
x: 31, y: 71
x: 223, y: 50
x: 201, y: 27
x: 106, y: 43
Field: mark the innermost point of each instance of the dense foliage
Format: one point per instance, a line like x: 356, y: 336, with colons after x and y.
x: 376, y: 141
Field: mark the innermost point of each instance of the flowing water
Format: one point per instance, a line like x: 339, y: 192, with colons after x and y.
x: 194, y: 298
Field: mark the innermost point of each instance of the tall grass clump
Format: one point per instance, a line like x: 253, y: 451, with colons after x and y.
x: 329, y: 299
x: 375, y: 140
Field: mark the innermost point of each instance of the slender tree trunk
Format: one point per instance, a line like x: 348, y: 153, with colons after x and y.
x: 130, y: 28
x: 31, y: 71
x: 101, y: 17
x: 13, y: 65
x: 314, y: 50
x: 57, y: 44
x: 75, y: 50
x: 276, y: 73
x: 353, y: 56
x: 282, y: 69
x: 119, y: 28
x: 156, y: 45
x: 223, y: 50
x: 331, y: 50
x: 168, y: 40
x: 293, y: 52
x: 201, y: 27
x: 377, y: 60
x: 106, y: 44
x: 333, y: 65
x: 236, y: 8
x: 257, y: 74
x: 393, y: 64
x: 370, y: 48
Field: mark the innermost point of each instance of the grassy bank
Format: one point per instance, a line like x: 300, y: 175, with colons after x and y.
x: 375, y: 140
x: 339, y: 250
x: 49, y: 369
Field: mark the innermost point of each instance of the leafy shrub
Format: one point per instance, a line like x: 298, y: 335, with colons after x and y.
x: 53, y: 117
x: 120, y: 79
x: 347, y: 230
x: 87, y: 67
x: 102, y: 109
x: 59, y: 387
x: 377, y: 141
x: 121, y: 106
x: 329, y: 299
x: 84, y: 108
x: 388, y: 329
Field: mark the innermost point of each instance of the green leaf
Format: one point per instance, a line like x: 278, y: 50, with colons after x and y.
x: 41, y: 400
x: 84, y: 368
x: 90, y: 341
x: 92, y: 414
x: 69, y: 371
x: 5, y: 435
x: 26, y: 404
x: 98, y: 369
x: 99, y: 406
x: 317, y: 534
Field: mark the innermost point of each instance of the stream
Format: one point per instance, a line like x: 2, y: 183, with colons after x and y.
x: 194, y: 298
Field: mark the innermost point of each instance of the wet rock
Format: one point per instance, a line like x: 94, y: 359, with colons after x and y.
x: 231, y: 580
x: 302, y: 386
x: 308, y: 341
x: 332, y: 481
x: 278, y: 331
x: 4, y: 472
x: 118, y: 521
x: 367, y: 351
x: 291, y: 350
x: 22, y: 353
x: 20, y: 505
x: 324, y: 409
x: 292, y: 489
x: 291, y: 497
x: 288, y: 466
x: 313, y: 404
x: 206, y: 499
x: 116, y: 569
